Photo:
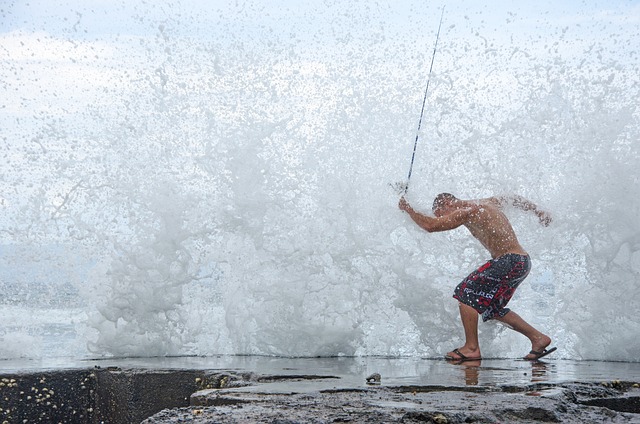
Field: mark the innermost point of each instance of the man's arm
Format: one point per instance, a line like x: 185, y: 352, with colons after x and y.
x: 433, y: 224
x: 521, y: 203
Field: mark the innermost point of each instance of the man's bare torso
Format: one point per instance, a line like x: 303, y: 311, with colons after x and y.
x: 493, y: 230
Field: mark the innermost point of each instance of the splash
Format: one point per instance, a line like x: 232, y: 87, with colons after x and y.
x: 231, y: 195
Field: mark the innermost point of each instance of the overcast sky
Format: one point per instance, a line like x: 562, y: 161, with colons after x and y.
x: 86, y: 20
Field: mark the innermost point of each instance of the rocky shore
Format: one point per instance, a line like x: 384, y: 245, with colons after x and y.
x: 554, y: 403
x: 288, y: 391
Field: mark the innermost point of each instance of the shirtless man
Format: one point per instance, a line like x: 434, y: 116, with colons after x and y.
x: 487, y: 290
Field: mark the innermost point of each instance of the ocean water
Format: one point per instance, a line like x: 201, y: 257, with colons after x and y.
x: 216, y: 179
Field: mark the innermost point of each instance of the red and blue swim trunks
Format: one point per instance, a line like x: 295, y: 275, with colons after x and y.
x: 489, y: 288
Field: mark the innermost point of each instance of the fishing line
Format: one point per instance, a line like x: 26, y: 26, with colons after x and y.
x: 424, y: 101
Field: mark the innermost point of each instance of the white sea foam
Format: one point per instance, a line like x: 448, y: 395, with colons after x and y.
x: 232, y: 195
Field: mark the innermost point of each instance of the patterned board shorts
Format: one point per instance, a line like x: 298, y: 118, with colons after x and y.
x: 489, y: 288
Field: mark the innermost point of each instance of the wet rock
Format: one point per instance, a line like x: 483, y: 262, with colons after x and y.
x: 625, y: 403
x: 379, y: 404
x: 422, y: 417
x: 530, y: 414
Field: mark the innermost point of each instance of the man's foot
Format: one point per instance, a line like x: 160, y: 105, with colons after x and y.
x: 463, y: 354
x: 540, y: 354
x: 467, y: 363
x: 539, y: 348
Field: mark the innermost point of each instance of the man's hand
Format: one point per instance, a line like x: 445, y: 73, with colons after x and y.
x: 544, y: 217
x: 403, y: 205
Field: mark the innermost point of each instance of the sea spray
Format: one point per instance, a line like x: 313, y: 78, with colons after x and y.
x: 231, y: 194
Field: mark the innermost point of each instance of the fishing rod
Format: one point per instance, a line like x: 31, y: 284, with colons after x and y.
x: 424, y: 101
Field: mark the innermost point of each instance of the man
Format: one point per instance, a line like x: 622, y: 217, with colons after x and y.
x: 487, y: 290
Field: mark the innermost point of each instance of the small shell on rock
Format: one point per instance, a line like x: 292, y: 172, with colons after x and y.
x: 374, y: 378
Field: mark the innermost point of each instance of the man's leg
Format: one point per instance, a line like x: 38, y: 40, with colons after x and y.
x: 471, y: 348
x: 539, y: 341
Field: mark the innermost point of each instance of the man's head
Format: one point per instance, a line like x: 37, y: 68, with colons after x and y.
x: 442, y: 203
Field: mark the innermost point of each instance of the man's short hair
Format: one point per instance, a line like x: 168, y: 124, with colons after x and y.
x: 441, y: 199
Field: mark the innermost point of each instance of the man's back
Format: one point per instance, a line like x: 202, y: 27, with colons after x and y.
x: 492, y: 228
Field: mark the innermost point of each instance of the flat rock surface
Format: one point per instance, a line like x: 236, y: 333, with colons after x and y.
x: 392, y: 405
